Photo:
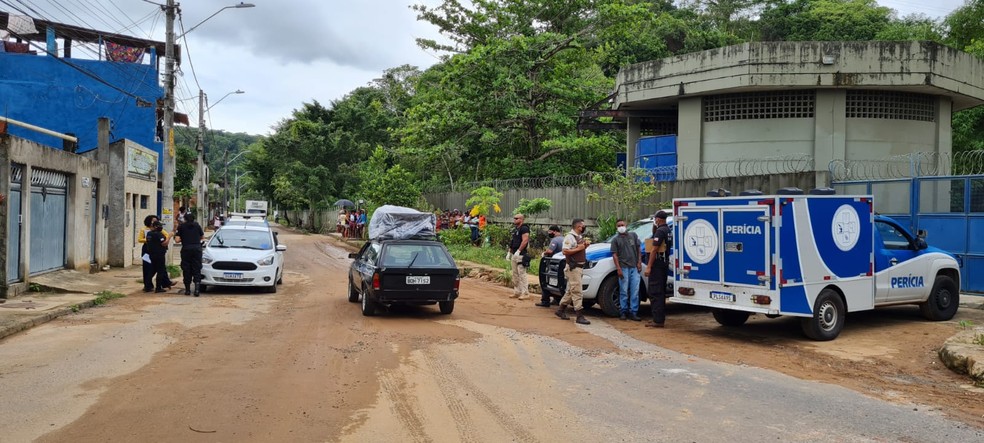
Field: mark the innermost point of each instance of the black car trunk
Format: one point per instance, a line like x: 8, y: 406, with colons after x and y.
x: 429, y: 284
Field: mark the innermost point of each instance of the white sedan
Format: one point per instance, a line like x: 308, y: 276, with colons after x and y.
x: 243, y: 255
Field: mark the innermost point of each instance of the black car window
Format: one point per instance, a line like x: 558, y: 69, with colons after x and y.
x: 372, y: 253
x: 417, y: 255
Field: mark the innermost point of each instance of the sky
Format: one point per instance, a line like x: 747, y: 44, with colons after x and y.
x: 283, y: 53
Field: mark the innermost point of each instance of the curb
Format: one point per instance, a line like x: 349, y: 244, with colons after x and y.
x: 33, y: 321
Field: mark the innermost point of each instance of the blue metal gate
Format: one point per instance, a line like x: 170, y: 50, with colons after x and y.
x: 949, y: 208
x: 48, y: 216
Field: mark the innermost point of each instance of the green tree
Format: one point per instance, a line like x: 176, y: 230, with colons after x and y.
x: 483, y: 201
x: 627, y: 192
x: 383, y: 184
x: 530, y: 207
x: 823, y: 20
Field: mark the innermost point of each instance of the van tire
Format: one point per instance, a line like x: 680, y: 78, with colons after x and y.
x: 943, y: 300
x: 829, y: 315
x: 607, y: 296
x: 729, y: 317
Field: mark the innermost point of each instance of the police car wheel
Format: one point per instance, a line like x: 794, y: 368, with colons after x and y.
x: 828, y: 318
x: 728, y: 317
x: 943, y: 300
x: 608, y: 297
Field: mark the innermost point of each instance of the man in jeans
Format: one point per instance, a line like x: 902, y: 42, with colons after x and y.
x: 628, y: 264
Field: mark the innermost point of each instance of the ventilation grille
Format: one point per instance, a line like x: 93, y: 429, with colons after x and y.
x: 891, y: 105
x: 759, y: 105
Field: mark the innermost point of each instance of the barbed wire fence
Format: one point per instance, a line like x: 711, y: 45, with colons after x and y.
x: 916, y: 164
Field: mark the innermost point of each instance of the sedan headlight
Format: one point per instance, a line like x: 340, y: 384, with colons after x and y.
x: 590, y: 264
x: 266, y: 261
x: 206, y: 259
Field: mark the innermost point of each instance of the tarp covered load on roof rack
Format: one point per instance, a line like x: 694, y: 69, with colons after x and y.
x: 397, y: 222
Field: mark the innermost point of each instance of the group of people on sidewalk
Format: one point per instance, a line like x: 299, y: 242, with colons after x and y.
x: 626, y: 252
x: 351, y: 223
x: 156, y: 241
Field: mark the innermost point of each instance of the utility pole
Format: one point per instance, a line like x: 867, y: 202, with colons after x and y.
x: 167, y: 176
x: 225, y: 182
x: 202, y: 185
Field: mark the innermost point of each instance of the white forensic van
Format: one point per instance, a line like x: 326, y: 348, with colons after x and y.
x: 812, y: 256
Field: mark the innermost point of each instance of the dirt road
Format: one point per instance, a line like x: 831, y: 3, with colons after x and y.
x: 305, y: 365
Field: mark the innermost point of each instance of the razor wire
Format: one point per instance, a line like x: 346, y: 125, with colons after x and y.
x: 916, y: 164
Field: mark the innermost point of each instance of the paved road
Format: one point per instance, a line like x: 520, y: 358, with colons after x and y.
x: 304, y: 365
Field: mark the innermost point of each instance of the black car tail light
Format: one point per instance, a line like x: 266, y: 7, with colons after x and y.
x: 457, y: 283
x: 375, y: 281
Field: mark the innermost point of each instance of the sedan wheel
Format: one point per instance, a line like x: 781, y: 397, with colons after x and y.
x: 368, y: 306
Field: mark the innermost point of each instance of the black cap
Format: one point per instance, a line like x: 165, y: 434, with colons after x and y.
x: 554, y: 228
x: 662, y: 215
x: 158, y: 224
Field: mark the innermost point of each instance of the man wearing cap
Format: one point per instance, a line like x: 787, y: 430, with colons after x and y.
x: 657, y: 268
x: 556, y: 244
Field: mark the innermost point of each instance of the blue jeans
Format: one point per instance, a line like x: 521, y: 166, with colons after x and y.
x: 628, y: 288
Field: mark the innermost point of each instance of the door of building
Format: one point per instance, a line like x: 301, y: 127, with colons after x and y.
x: 48, y: 217
x: 14, y: 224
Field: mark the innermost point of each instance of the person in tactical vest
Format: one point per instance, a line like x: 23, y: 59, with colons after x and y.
x: 659, y: 260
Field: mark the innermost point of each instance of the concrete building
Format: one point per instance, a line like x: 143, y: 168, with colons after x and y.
x: 821, y: 101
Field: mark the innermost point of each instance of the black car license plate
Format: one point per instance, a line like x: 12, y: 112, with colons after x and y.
x: 418, y: 280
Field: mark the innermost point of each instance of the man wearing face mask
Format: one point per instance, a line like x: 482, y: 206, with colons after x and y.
x: 657, y: 268
x: 574, y: 246
x: 628, y: 265
x: 556, y: 244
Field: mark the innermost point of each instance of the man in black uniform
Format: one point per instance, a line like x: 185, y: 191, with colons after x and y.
x: 657, y: 268
x: 189, y: 235
x: 157, y: 249
x: 518, y: 258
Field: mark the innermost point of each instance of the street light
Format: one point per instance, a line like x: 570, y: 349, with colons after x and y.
x: 240, y: 5
x: 225, y: 184
x: 238, y: 91
x: 170, y: 9
x: 236, y: 185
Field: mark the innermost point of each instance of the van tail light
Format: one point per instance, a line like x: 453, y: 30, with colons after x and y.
x: 686, y: 291
x: 457, y: 283
x: 762, y: 299
x: 375, y: 281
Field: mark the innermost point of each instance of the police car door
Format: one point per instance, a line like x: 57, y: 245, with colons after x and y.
x: 900, y: 277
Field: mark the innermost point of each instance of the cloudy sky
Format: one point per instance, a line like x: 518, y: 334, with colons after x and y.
x: 286, y: 52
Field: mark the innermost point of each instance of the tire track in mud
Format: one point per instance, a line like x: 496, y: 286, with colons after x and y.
x: 448, y: 386
x: 396, y: 388
x: 451, y: 375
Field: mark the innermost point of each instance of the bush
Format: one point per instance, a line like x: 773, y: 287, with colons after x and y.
x: 498, y: 235
x: 455, y: 236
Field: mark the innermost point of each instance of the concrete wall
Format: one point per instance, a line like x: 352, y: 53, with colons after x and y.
x: 133, y: 196
x: 750, y: 139
x: 45, y: 92
x: 82, y: 174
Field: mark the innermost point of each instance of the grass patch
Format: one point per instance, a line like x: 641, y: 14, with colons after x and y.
x: 173, y: 271
x: 105, y: 296
x: 493, y: 257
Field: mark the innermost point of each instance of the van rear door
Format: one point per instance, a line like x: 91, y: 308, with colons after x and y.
x: 746, y: 245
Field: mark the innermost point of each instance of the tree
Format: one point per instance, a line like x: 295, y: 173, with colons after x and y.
x: 483, y: 201
x: 626, y: 191
x: 530, y: 207
x: 383, y: 184
x: 823, y: 20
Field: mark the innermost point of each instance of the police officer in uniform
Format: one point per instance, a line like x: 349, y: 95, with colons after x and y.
x: 189, y: 234
x: 656, y: 270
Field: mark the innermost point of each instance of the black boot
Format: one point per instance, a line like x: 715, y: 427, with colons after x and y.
x: 562, y: 313
x: 197, y: 289
x: 187, y: 289
x: 580, y: 318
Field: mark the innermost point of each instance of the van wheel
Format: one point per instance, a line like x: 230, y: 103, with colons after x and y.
x: 828, y: 318
x: 446, y: 307
x: 943, y: 300
x: 607, y: 296
x: 730, y: 318
x: 353, y: 295
x: 368, y: 305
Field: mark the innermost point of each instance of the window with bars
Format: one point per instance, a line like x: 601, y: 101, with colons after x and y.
x: 891, y: 105
x: 759, y: 105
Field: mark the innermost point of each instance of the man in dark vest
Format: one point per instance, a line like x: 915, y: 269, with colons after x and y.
x: 659, y: 260
x: 189, y: 235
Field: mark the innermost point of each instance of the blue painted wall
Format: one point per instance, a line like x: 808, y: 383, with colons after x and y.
x: 45, y: 92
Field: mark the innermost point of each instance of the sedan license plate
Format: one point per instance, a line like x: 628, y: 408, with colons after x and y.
x: 232, y: 275
x: 723, y: 296
x: 419, y: 280
x: 552, y: 281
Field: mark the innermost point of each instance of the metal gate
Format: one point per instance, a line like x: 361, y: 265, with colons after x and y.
x: 14, y: 224
x: 94, y: 218
x: 949, y: 208
x: 48, y: 217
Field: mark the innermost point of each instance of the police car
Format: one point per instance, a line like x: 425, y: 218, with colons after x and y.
x: 817, y: 257
x: 599, y: 280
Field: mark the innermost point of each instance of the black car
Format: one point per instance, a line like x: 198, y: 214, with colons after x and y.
x: 412, y: 272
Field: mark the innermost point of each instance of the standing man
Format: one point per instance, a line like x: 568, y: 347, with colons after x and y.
x: 659, y: 260
x: 189, y: 235
x: 574, y: 246
x: 517, y: 256
x: 157, y: 250
x: 628, y: 264
x: 556, y: 244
